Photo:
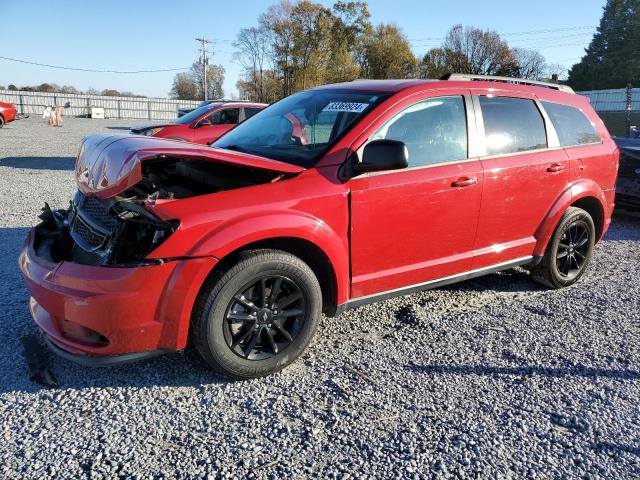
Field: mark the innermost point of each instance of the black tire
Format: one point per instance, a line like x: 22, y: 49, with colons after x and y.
x: 1, y: 121
x: 222, y: 302
x: 569, y: 252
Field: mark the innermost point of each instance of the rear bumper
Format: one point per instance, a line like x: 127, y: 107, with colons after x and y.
x: 94, y: 311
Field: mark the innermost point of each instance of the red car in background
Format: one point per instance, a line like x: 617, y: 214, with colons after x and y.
x: 7, y: 113
x: 202, y: 125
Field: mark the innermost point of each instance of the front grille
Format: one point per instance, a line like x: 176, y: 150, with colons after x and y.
x: 91, y: 237
x: 92, y: 225
x: 98, y: 211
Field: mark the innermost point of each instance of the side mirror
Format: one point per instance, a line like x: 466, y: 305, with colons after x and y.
x: 381, y: 155
x: 205, y: 122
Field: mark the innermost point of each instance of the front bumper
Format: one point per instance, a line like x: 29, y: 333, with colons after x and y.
x: 96, y: 311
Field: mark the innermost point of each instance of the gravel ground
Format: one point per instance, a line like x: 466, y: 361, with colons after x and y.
x: 494, y: 377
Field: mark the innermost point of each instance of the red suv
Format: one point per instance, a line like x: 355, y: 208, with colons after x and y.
x: 391, y: 187
x: 202, y: 125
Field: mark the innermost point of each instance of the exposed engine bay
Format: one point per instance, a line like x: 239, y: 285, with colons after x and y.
x: 120, y: 231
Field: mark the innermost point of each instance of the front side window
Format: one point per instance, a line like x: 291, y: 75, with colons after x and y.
x: 434, y: 131
x: 300, y: 128
x: 512, y: 125
x: 572, y: 126
x: 225, y: 117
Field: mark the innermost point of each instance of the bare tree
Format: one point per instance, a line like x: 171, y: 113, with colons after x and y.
x: 478, y: 52
x: 530, y: 63
x: 253, y: 50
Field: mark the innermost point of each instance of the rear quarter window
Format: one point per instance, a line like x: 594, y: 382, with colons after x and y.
x: 572, y: 126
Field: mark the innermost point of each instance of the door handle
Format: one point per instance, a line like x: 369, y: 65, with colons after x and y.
x: 464, y: 182
x: 556, y: 167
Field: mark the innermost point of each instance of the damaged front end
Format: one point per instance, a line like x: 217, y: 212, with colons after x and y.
x: 108, y: 222
x: 100, y: 232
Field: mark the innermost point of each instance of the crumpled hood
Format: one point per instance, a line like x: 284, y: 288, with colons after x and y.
x: 148, y: 126
x: 111, y: 164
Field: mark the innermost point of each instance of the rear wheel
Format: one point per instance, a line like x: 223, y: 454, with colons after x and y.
x: 569, y: 251
x: 1, y: 121
x: 257, y: 316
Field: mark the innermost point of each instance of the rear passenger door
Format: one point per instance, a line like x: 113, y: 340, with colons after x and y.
x: 525, y: 172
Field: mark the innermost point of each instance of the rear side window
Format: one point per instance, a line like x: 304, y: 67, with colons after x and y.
x: 434, y: 131
x: 250, y: 111
x: 512, y: 125
x: 572, y: 126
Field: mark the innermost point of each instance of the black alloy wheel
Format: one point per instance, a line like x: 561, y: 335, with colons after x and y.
x: 573, y: 249
x: 265, y: 317
x: 257, y: 314
x: 569, y: 251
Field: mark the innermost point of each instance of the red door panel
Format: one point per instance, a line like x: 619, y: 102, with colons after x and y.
x: 518, y: 192
x: 209, y: 133
x: 412, y: 226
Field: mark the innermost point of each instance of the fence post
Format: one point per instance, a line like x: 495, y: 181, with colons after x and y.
x: 628, y: 109
x: 88, y: 107
x: 119, y: 115
x: 149, y: 108
x: 21, y: 104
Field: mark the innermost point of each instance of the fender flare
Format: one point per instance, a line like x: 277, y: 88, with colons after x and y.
x: 232, y: 236
x: 575, y: 191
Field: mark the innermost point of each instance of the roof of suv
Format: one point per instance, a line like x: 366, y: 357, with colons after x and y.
x: 451, y: 80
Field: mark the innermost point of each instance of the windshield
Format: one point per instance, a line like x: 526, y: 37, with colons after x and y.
x: 300, y: 128
x: 194, y: 114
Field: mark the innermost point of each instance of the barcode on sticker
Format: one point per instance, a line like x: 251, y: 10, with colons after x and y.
x: 345, y: 107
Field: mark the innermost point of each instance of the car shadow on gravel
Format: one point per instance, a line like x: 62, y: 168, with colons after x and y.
x: 39, y: 163
x: 513, y: 280
x: 526, y: 370
x: 119, y: 128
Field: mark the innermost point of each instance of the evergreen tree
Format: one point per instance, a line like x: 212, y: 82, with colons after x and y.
x: 613, y: 57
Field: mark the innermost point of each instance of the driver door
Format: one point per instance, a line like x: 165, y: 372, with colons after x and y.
x: 418, y: 224
x: 220, y: 122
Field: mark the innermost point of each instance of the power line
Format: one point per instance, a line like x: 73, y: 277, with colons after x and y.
x: 77, y: 69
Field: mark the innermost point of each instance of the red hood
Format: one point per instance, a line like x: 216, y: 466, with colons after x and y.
x: 110, y: 164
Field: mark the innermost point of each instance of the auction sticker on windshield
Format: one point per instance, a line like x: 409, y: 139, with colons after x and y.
x: 345, y: 107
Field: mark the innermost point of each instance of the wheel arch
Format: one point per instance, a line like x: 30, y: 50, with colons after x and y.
x: 585, y: 194
x: 594, y: 208
x: 307, y: 251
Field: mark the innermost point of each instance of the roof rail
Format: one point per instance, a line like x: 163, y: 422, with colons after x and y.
x: 227, y: 100
x: 517, y: 81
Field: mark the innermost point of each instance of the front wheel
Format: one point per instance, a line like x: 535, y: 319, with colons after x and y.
x: 569, y: 251
x: 257, y: 316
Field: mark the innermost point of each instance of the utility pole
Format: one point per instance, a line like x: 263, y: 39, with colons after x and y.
x: 204, y: 59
